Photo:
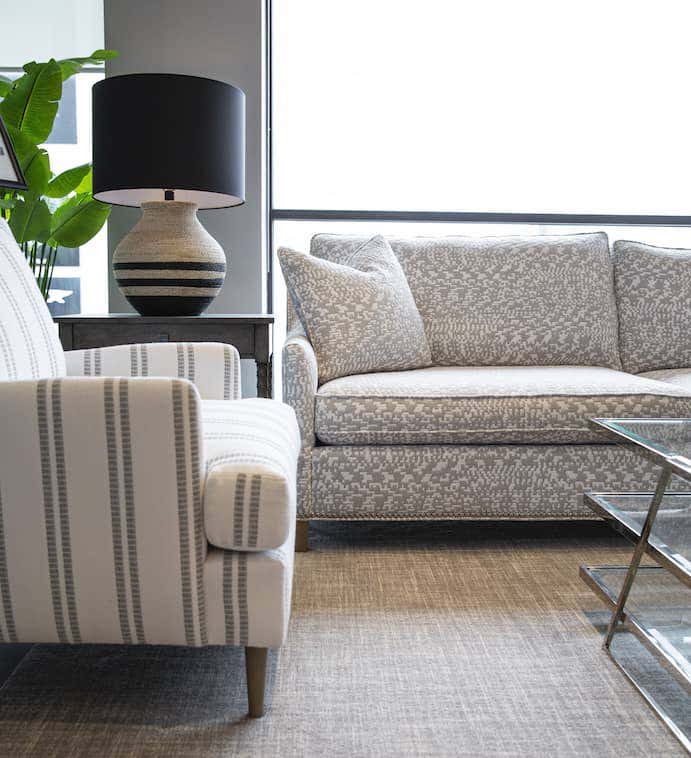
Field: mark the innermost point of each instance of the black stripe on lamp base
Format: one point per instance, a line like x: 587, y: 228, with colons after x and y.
x: 165, y: 305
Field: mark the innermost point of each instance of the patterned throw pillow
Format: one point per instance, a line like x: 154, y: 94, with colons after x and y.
x: 653, y: 287
x: 359, y: 315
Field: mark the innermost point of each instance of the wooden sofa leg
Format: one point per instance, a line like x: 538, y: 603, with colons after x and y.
x: 302, y: 529
x: 255, y: 666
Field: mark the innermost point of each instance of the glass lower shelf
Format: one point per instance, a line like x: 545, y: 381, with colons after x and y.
x: 670, y: 538
x: 658, y: 616
x: 658, y: 611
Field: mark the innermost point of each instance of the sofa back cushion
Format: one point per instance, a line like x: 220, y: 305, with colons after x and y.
x: 512, y: 301
x: 653, y: 289
x: 359, y: 315
x: 29, y: 344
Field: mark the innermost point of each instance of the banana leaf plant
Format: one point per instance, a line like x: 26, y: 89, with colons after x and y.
x: 55, y: 210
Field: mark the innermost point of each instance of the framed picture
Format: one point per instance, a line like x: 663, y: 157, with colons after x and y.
x: 10, y: 172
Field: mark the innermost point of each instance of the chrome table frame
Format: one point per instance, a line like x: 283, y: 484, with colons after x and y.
x: 641, y: 538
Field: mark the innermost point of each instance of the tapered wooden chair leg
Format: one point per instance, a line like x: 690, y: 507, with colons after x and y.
x: 302, y: 530
x: 255, y: 665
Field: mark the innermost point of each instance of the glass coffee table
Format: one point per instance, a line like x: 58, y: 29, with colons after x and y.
x: 651, y: 597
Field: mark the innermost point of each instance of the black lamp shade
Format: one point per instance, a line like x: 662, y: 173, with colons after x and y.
x: 158, y: 132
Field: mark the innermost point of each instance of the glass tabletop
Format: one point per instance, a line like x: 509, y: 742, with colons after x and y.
x: 667, y: 440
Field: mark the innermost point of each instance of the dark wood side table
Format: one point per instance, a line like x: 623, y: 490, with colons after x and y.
x: 250, y: 334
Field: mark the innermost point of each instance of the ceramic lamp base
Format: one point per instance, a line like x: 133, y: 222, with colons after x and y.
x: 169, y: 265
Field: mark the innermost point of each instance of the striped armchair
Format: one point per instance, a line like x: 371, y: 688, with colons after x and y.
x: 141, y: 501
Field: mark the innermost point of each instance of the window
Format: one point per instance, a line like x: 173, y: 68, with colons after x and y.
x: 510, y: 115
x: 74, y: 27
x: 492, y: 106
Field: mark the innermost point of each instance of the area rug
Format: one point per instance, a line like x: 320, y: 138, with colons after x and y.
x: 436, y: 639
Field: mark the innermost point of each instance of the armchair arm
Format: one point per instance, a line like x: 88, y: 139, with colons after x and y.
x: 300, y: 382
x: 101, y: 527
x: 212, y: 366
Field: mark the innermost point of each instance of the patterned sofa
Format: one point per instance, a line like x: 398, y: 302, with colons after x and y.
x: 529, y: 338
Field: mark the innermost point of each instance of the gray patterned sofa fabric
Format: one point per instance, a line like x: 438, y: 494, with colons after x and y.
x: 679, y: 376
x: 507, y: 301
x: 524, y: 339
x: 300, y: 382
x: 359, y: 313
x: 653, y: 288
x: 470, y: 481
x: 486, y: 405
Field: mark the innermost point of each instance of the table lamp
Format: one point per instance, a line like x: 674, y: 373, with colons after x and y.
x: 170, y: 144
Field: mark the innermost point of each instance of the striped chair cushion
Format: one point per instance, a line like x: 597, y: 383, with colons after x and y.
x: 29, y: 344
x: 251, y: 448
x: 212, y: 366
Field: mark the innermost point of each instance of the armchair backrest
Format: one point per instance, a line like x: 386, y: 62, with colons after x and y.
x: 29, y: 344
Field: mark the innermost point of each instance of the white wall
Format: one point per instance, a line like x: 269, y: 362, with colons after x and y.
x: 220, y: 39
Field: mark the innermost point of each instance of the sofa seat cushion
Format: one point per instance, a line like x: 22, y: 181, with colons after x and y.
x: 681, y: 377
x: 487, y: 405
x: 250, y: 449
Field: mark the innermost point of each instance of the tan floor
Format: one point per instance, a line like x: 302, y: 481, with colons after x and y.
x: 406, y: 640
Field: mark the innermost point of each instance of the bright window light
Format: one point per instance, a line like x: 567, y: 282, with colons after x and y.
x: 483, y: 106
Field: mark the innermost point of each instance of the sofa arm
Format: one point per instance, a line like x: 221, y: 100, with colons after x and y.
x: 300, y: 382
x: 101, y: 494
x: 213, y: 367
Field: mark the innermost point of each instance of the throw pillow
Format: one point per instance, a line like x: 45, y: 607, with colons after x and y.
x: 359, y: 315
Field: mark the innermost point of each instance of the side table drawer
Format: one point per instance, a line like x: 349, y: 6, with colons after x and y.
x: 104, y: 335
x: 94, y: 335
x: 241, y: 336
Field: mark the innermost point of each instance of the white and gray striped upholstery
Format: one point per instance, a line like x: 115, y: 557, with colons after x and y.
x: 29, y: 344
x: 213, y: 367
x: 102, y: 534
x: 105, y: 477
x: 102, y: 527
x: 248, y: 595
x: 250, y: 450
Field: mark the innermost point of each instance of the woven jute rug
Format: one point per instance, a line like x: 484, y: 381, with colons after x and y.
x: 437, y: 639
